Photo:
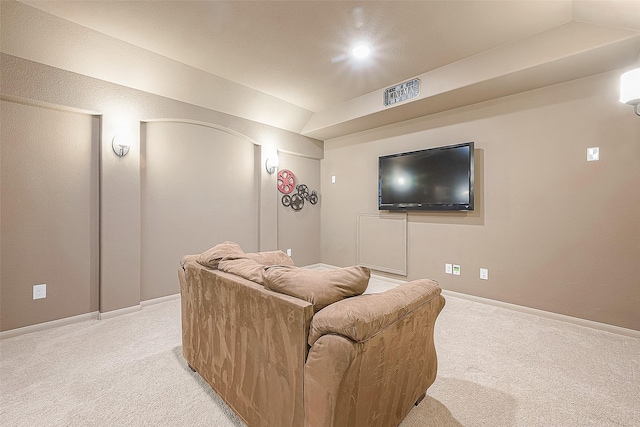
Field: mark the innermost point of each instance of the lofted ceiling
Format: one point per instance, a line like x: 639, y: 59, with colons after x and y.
x: 298, y: 51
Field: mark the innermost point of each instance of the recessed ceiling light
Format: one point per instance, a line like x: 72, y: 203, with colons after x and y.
x: 361, y: 51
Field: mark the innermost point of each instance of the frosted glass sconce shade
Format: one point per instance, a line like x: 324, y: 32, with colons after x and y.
x: 271, y: 164
x: 120, y: 146
x: 630, y: 89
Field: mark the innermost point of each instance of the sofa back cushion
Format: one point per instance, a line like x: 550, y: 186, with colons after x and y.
x: 320, y: 287
x: 243, y: 267
x: 212, y: 257
x: 270, y: 258
x: 231, y: 251
x: 251, y: 266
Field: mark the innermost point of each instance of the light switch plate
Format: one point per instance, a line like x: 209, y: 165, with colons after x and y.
x: 448, y: 268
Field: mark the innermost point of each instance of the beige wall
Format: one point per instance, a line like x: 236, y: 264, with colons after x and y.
x: 300, y: 230
x: 198, y: 188
x: 122, y: 112
x: 556, y: 232
x: 49, y: 220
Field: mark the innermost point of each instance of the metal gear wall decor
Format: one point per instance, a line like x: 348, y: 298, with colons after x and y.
x: 297, y: 202
x: 286, y: 185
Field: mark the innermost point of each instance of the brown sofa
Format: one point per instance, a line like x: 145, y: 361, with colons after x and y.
x: 280, y: 360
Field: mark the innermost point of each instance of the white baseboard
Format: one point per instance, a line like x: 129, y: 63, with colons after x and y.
x: 120, y: 312
x: 135, y: 308
x: 48, y: 325
x: 83, y: 317
x: 519, y: 308
x: 160, y: 300
x: 320, y: 266
x: 547, y: 314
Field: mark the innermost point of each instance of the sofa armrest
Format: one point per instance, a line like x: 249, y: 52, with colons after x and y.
x: 248, y: 343
x: 372, y: 357
x: 361, y: 317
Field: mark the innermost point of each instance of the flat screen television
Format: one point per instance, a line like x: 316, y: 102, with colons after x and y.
x: 435, y: 179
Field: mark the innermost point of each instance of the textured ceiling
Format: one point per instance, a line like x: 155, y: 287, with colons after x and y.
x: 298, y: 51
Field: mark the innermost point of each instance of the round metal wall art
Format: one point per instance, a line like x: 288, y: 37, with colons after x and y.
x: 313, y: 197
x: 297, y: 202
x: 286, y: 185
x: 286, y: 181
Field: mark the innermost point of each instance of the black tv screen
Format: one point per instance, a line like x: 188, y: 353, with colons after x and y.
x: 433, y: 179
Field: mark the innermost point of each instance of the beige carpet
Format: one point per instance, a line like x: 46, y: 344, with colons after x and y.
x: 496, y: 368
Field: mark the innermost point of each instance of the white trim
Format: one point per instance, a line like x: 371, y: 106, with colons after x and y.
x: 160, y: 300
x: 84, y: 317
x: 389, y: 279
x: 547, y: 314
x: 519, y: 308
x: 382, y: 216
x: 119, y: 312
x: 205, y: 124
x: 320, y: 266
x: 48, y: 105
x: 48, y: 325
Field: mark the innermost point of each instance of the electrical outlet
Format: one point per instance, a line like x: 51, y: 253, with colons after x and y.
x: 484, y: 273
x: 456, y: 270
x: 39, y: 291
x: 448, y: 268
x: 593, y: 154
x: 289, y: 252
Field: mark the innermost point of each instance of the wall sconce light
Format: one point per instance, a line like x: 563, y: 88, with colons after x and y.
x: 630, y: 89
x: 272, y: 163
x: 120, y: 147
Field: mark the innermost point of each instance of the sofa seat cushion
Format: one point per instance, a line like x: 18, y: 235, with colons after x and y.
x: 320, y: 287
